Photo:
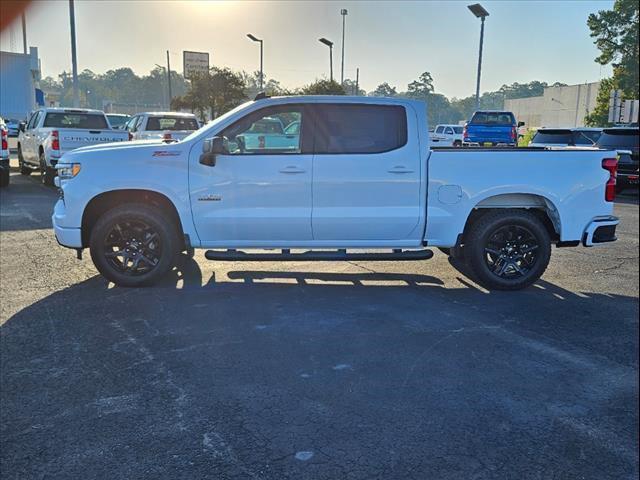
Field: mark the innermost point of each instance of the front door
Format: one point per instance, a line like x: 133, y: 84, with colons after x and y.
x: 259, y: 194
x: 366, y: 173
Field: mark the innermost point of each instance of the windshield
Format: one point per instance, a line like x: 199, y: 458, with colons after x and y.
x: 493, y: 118
x: 90, y: 121
x: 216, y: 121
x: 171, y: 123
x: 118, y: 120
x: 619, y: 138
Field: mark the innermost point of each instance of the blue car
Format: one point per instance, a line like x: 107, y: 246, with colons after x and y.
x: 491, y: 128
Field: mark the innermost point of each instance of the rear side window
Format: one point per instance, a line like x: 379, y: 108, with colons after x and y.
x: 553, y: 136
x: 76, y: 120
x: 458, y: 130
x: 172, y: 123
x: 351, y: 129
x: 493, y: 118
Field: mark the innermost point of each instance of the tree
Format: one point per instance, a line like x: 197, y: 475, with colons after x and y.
x: 384, y: 90
x: 350, y: 88
x: 422, y: 87
x: 616, y: 36
x: 323, y: 87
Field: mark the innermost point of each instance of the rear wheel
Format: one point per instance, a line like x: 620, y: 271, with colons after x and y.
x: 47, y: 174
x: 133, y: 245
x: 24, y: 170
x: 508, y: 250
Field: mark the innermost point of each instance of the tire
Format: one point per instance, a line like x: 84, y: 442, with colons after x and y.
x: 508, y: 249
x: 155, y: 252
x: 457, y: 253
x: 457, y: 144
x: 24, y: 170
x: 47, y: 174
x: 4, y: 178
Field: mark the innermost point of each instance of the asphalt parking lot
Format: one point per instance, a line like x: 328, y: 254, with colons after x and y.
x: 356, y: 370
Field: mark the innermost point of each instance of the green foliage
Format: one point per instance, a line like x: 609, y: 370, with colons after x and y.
x: 215, y: 93
x: 526, y: 138
x: 600, y: 115
x: 384, y: 90
x: 616, y: 36
x: 421, y: 87
x: 350, y: 88
x: 322, y: 87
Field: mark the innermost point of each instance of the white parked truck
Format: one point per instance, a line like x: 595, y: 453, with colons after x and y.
x: 362, y: 176
x: 447, y: 136
x: 161, y: 125
x: 51, y: 132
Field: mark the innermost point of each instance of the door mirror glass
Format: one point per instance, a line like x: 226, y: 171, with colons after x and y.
x: 212, y: 147
x: 22, y: 126
x: 520, y: 124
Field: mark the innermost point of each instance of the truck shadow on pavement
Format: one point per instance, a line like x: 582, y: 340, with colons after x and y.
x: 312, y: 374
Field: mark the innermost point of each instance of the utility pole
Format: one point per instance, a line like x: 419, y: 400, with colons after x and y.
x: 253, y: 38
x: 329, y: 44
x: 24, y: 33
x: 357, y: 81
x: 343, y: 12
x: 74, y: 60
x: 169, y: 79
x: 480, y: 13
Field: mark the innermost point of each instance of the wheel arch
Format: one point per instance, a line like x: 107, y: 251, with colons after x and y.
x: 541, y: 206
x: 105, y: 201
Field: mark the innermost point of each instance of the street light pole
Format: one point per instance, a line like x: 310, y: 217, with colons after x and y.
x: 255, y: 39
x: 329, y: 44
x: 343, y: 12
x: 74, y: 60
x: 169, y: 79
x: 480, y: 13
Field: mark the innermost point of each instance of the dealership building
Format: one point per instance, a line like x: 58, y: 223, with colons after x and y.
x: 19, y: 81
x: 560, y: 107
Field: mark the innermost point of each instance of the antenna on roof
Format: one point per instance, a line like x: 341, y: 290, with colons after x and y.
x: 261, y: 95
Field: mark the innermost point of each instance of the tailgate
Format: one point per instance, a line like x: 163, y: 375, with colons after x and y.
x: 70, y: 139
x: 489, y: 133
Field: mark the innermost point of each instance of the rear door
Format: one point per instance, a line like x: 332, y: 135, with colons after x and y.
x: 29, y: 150
x: 366, y: 172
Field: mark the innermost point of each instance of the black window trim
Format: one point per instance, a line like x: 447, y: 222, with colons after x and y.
x: 307, y: 137
x: 339, y: 104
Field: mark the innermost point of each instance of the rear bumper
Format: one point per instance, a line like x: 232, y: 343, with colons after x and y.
x: 469, y: 143
x: 627, y: 178
x: 599, y: 231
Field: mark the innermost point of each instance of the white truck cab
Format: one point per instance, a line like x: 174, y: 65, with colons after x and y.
x: 161, y: 125
x: 358, y: 175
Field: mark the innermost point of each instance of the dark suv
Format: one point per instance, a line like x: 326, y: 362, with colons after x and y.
x: 625, y: 140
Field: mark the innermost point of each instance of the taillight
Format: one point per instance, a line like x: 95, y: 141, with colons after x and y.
x: 464, y: 132
x: 55, y: 140
x: 514, y: 133
x: 130, y: 136
x: 611, y: 166
x: 5, y: 145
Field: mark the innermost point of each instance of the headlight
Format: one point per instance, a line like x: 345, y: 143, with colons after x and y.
x: 67, y: 171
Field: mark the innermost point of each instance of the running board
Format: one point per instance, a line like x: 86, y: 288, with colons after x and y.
x: 315, y: 255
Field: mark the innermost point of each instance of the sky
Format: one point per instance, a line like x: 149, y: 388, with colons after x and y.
x: 390, y: 42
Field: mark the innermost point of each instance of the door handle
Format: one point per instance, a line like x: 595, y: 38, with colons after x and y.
x: 292, y: 169
x: 400, y: 169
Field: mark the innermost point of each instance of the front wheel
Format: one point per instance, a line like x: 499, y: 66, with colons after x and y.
x: 508, y: 250
x: 133, y: 245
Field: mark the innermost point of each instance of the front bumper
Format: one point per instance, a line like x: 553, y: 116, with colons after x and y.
x: 67, y: 237
x: 599, y: 231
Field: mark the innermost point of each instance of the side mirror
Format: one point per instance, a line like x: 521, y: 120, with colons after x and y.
x: 22, y: 126
x: 520, y: 124
x: 211, y: 148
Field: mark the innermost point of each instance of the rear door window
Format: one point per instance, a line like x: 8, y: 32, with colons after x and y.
x: 449, y: 131
x: 353, y: 129
x: 171, y: 123
x: 89, y: 121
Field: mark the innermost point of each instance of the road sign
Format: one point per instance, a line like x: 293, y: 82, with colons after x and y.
x: 194, y: 63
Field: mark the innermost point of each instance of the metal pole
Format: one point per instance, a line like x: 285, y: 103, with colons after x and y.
x: 24, y: 34
x: 344, y: 16
x: 261, y: 73
x: 331, y: 62
x: 74, y: 60
x: 169, y: 79
x: 357, y: 81
x: 479, y: 63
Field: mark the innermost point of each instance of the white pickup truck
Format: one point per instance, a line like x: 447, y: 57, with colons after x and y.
x: 51, y: 132
x: 363, y: 177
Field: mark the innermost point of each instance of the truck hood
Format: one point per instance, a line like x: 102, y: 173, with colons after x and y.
x: 140, y: 148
